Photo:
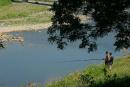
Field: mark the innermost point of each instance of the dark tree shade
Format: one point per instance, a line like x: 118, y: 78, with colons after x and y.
x: 25, y: 0
x: 2, y: 45
x: 105, y: 16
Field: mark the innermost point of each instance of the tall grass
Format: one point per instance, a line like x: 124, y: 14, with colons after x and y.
x: 96, y: 76
x: 5, y: 2
x: 24, y: 13
x: 17, y: 10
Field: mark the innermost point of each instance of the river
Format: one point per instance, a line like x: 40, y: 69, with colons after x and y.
x: 38, y: 61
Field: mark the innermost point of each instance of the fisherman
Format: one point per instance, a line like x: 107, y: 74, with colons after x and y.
x: 110, y: 61
x: 106, y: 58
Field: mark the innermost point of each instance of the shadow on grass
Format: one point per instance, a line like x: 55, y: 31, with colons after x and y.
x: 87, y: 80
x: 115, y: 82
x: 37, y: 3
x: 17, y: 1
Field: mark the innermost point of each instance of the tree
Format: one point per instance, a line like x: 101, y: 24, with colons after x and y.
x: 106, y: 16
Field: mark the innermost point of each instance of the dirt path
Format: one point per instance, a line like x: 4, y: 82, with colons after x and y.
x: 30, y: 27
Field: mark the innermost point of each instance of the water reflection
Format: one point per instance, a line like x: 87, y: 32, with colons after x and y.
x: 1, y: 45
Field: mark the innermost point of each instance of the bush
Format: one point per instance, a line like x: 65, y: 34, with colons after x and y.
x: 5, y: 2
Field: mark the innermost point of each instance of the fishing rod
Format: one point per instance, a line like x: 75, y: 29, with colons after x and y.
x: 80, y: 60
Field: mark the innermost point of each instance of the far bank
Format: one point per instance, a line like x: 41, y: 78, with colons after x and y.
x: 30, y: 27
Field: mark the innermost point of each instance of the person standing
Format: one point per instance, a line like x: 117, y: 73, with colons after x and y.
x: 110, y: 61
x: 106, y: 63
x: 106, y: 58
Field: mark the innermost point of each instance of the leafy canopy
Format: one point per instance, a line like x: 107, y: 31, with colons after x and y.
x: 102, y: 17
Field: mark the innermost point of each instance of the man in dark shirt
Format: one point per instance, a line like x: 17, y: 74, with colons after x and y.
x: 110, y: 61
x: 106, y: 58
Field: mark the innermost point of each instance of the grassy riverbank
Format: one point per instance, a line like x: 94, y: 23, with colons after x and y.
x: 24, y: 14
x: 95, y: 76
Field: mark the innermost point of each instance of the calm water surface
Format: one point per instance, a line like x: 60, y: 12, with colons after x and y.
x: 38, y: 61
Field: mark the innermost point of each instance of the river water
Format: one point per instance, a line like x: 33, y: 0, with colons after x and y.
x: 38, y: 61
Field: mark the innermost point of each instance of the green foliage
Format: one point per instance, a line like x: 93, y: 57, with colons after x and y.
x: 115, y: 82
x: 105, y: 16
x: 5, y: 2
x: 86, y: 80
x: 94, y: 76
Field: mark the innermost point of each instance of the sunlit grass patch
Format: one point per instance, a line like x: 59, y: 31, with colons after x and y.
x: 94, y: 76
x: 24, y: 13
x: 17, y: 10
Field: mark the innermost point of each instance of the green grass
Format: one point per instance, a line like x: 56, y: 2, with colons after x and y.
x: 5, y: 2
x: 24, y: 13
x: 95, y: 76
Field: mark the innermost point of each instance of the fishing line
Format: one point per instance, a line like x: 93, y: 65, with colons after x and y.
x: 79, y: 60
